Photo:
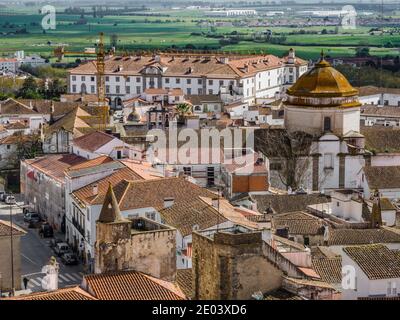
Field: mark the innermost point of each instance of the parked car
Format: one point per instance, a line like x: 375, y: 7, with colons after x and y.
x: 69, y: 258
x: 46, y: 231
x: 32, y: 216
x: 61, y: 248
x: 10, y: 200
x: 54, y: 242
x: 2, y: 193
x: 3, y: 196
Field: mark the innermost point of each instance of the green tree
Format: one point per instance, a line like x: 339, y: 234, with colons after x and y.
x: 362, y: 52
x: 29, y: 89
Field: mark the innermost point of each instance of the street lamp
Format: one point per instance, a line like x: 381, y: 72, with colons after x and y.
x: 12, y: 250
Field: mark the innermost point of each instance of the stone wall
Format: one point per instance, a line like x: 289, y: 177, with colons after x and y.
x: 231, y: 266
x: 152, y: 252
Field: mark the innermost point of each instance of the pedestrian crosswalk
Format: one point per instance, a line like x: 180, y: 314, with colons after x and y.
x: 64, y: 279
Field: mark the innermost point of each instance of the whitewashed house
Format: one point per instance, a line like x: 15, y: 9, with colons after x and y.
x: 373, y: 271
x: 98, y: 143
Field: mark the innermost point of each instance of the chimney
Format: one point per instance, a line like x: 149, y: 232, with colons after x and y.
x: 95, y: 189
x: 52, y: 107
x: 224, y: 60
x: 168, y: 202
x: 214, y: 202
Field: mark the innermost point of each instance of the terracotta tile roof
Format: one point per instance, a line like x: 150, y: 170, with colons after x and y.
x: 184, y: 281
x: 91, y: 163
x: 310, y: 283
x: 372, y: 90
x: 85, y: 194
x: 376, y: 260
x: 79, y: 97
x: 382, y: 177
x: 45, y: 107
x: 321, y: 252
x: 74, y: 293
x: 184, y: 215
x: 230, y: 212
x: 329, y: 269
x: 142, y: 194
x: 198, y: 99
x: 298, y: 223
x: 17, y: 138
x: 18, y: 125
x: 385, y: 111
x: 5, y: 229
x: 287, y: 203
x: 54, y: 165
x: 71, y: 122
x: 381, y: 139
x: 93, y: 140
x: 361, y: 236
x: 189, y: 66
x: 131, y: 285
x: 191, y: 206
x: 143, y: 169
x: 13, y: 107
x: 175, y: 92
x: 156, y: 91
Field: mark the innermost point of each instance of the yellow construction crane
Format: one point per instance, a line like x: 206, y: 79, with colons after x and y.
x: 60, y: 52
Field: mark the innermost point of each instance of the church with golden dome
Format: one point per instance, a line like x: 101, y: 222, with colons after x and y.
x: 321, y: 101
x: 324, y: 105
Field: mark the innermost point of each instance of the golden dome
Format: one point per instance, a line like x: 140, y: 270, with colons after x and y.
x: 322, y: 81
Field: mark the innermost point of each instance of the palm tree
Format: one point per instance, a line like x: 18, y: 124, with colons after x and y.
x: 183, y: 110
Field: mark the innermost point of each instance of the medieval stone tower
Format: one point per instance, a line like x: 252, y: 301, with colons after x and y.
x: 231, y: 266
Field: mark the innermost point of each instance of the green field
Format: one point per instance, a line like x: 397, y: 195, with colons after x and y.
x: 138, y: 32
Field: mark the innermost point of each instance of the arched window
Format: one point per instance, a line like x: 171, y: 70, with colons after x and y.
x: 83, y: 88
x: 327, y: 124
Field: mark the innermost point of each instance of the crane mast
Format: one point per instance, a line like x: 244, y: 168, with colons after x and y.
x: 103, y: 108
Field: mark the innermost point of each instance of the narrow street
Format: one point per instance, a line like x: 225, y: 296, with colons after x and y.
x: 36, y: 252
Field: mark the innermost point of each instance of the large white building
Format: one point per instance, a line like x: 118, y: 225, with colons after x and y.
x: 8, y: 65
x: 234, y: 77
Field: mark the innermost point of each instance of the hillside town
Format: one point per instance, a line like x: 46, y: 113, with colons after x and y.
x: 115, y: 193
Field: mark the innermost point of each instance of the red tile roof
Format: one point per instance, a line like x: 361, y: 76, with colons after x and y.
x: 73, y: 293
x: 91, y: 163
x: 85, y: 194
x: 93, y: 141
x: 55, y: 165
x: 5, y: 229
x: 13, y: 107
x: 131, y: 285
x: 376, y: 260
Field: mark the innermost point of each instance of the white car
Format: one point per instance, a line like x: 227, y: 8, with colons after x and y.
x: 10, y: 200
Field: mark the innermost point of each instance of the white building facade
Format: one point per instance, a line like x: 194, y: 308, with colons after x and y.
x: 245, y: 78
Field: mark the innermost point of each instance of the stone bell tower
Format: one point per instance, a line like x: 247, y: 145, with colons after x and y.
x: 111, y: 230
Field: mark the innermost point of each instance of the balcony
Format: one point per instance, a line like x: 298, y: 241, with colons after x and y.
x: 78, y: 227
